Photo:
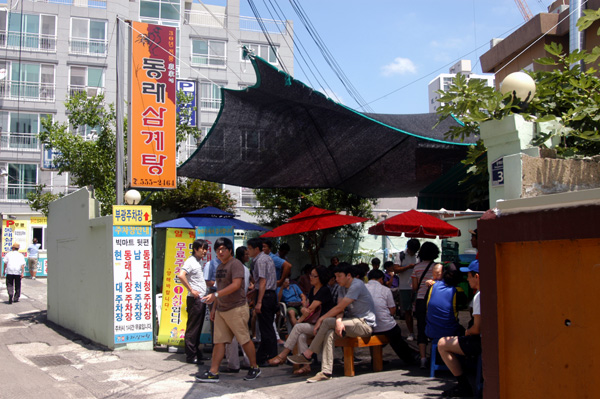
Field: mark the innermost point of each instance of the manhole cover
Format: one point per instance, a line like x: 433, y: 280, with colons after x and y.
x: 50, y: 360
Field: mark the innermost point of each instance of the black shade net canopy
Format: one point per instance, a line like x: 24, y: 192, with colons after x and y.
x: 281, y: 133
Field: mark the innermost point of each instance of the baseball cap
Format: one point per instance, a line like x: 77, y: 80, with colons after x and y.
x: 473, y: 267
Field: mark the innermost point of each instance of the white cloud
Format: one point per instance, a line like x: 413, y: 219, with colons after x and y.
x: 400, y: 66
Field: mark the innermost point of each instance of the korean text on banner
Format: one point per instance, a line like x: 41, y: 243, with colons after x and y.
x: 132, y: 265
x: 132, y: 215
x: 173, y: 316
x: 152, y: 138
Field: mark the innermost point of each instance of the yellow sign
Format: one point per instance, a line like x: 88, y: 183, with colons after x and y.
x: 39, y: 220
x: 173, y: 317
x: 132, y: 215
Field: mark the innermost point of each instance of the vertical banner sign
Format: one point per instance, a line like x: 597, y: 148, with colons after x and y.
x: 152, y: 138
x: 132, y: 268
x: 188, y: 87
x: 173, y: 316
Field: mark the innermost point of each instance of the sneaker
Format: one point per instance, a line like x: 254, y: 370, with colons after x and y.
x: 253, y: 374
x: 423, y: 364
x: 411, y: 337
x: 207, y: 376
x: 194, y: 361
x: 298, y: 359
x: 33, y: 278
x: 320, y: 376
x: 458, y: 392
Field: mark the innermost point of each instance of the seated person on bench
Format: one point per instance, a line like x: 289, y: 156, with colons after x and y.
x: 359, y: 322
x: 469, y: 344
x: 319, y: 302
x: 385, y: 308
x: 294, y: 299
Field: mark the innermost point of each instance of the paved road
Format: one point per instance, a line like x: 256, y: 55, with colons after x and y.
x: 42, y: 360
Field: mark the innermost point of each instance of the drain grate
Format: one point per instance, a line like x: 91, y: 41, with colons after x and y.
x: 50, y: 360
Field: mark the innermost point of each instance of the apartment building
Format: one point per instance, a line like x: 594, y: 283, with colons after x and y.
x: 51, y: 49
x: 444, y: 80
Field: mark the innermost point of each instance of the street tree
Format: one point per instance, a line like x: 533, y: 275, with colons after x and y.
x: 90, y: 159
x: 279, y: 204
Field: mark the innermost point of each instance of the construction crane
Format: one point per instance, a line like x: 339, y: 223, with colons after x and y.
x: 524, y: 8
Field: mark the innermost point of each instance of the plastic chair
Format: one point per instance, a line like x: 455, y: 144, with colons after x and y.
x: 435, y: 366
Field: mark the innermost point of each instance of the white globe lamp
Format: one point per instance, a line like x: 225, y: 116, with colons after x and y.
x: 132, y: 197
x: 521, y: 85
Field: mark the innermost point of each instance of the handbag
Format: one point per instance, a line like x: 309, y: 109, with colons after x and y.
x: 314, y: 316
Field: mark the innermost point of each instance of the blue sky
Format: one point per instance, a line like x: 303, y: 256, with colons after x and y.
x: 388, y: 45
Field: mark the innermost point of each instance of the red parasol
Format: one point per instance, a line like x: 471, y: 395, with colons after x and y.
x: 414, y: 224
x: 313, y: 219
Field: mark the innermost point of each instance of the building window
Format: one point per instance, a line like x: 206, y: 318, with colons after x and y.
x: 88, y: 133
x: 208, y: 52
x: 20, y: 130
x: 28, y: 81
x: 22, y: 179
x: 88, y: 37
x: 248, y: 197
x: 160, y: 11
x: 210, y: 97
x: 187, y: 148
x: 86, y: 79
x: 250, y: 144
x: 263, y: 51
x: 31, y: 32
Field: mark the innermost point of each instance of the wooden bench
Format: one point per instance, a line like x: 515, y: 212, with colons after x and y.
x: 374, y: 342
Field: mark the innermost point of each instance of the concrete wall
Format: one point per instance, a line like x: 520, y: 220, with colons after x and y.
x: 550, y: 176
x: 80, y: 286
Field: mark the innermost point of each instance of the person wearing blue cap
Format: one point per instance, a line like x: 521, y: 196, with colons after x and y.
x: 469, y: 345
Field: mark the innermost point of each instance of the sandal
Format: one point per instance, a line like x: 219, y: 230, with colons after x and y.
x: 276, y: 361
x: 303, y: 370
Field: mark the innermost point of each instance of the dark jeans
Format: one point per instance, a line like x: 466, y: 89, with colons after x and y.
x: 13, y: 286
x: 399, y: 345
x: 268, y: 339
x: 196, y: 311
x: 421, y: 316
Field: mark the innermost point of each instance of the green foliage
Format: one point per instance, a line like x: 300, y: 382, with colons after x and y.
x: 89, y: 162
x: 39, y: 200
x: 92, y: 162
x: 278, y: 205
x: 191, y: 195
x: 568, y: 96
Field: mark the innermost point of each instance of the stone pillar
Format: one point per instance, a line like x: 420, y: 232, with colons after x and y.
x: 506, y: 140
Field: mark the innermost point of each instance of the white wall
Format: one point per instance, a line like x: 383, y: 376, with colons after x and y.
x: 80, y: 278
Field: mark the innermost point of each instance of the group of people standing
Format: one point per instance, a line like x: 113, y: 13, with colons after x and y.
x: 360, y: 310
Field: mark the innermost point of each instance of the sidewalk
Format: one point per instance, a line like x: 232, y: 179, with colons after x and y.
x: 40, y: 359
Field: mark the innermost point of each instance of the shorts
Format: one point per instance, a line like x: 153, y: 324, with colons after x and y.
x: 33, y: 265
x: 406, y: 300
x: 295, y: 309
x: 470, y: 345
x: 233, y: 322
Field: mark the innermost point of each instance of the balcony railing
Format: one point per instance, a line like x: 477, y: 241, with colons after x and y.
x: 84, y: 46
x: 19, y: 141
x: 91, y: 91
x: 204, y: 18
x: 16, y: 192
x: 28, y: 41
x: 210, y: 103
x: 27, y: 91
x: 78, y: 3
x: 272, y: 25
x: 208, y: 60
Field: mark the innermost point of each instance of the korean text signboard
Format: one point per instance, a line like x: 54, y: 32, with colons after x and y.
x: 132, y: 268
x: 152, y: 138
x: 173, y: 316
x: 189, y: 88
x: 498, y: 172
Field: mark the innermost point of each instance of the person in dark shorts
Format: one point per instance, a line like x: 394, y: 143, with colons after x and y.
x: 468, y: 345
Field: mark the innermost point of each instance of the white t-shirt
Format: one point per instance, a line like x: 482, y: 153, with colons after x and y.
x: 404, y: 278
x: 476, y: 304
x: 13, y: 263
x: 195, y: 275
x: 383, y: 301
